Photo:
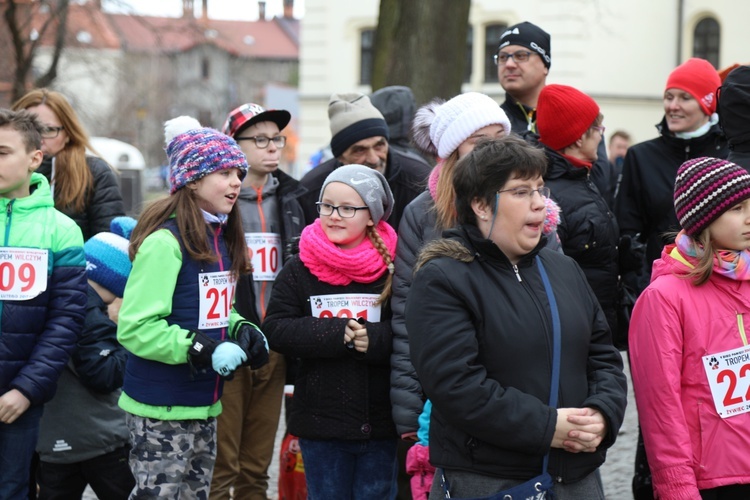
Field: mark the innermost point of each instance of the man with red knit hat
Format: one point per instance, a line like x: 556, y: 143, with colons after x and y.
x: 570, y: 129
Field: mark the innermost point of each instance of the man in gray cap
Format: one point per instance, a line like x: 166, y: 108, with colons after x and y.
x: 523, y: 60
x: 359, y: 134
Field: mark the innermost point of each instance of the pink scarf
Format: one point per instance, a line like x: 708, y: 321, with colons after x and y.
x: 336, y: 266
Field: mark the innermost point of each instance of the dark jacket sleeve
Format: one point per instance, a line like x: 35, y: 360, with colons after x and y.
x: 608, y: 386
x: 106, y: 199
x: 289, y: 327
x: 629, y: 197
x: 407, y: 398
x: 99, y: 359
x: 37, y: 380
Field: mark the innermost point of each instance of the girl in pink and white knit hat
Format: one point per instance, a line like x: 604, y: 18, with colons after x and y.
x: 330, y: 307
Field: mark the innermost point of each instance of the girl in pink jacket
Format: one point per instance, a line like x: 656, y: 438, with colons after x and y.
x: 689, y: 351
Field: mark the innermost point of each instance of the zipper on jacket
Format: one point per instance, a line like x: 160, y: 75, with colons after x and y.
x: 741, y: 327
x: 518, y: 275
x: 687, y: 152
x: 8, y: 214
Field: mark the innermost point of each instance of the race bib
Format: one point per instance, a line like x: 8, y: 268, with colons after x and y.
x: 23, y: 273
x: 216, y: 295
x: 729, y: 378
x: 264, y: 250
x: 346, y: 305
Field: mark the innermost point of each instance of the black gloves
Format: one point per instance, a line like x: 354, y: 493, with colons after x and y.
x: 254, y: 343
x: 631, y: 254
x: 199, y: 354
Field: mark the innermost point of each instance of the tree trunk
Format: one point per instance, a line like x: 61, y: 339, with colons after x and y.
x: 421, y: 44
x: 17, y: 18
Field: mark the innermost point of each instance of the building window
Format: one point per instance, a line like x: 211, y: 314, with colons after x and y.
x: 469, y: 57
x: 706, y: 40
x: 366, y: 56
x: 491, y: 38
x: 205, y: 68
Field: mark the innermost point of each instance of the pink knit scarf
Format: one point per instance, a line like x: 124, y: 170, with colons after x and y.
x: 336, y: 266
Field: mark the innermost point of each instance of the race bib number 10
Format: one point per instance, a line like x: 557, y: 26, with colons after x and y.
x: 264, y: 250
x: 346, y: 305
x: 216, y: 295
x: 729, y: 378
x: 23, y: 273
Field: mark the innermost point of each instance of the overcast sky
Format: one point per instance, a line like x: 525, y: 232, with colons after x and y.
x: 240, y: 10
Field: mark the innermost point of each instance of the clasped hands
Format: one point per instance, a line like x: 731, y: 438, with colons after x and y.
x: 355, y: 336
x: 579, y: 429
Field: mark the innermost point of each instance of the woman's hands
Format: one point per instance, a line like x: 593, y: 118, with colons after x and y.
x: 579, y: 429
x: 355, y: 336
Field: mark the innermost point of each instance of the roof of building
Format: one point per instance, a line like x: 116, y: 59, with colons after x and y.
x: 250, y: 39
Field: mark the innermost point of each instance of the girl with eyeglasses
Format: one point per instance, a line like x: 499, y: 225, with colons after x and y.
x: 84, y: 187
x: 330, y: 308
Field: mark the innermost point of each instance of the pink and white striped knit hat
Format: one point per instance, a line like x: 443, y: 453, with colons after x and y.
x: 705, y: 188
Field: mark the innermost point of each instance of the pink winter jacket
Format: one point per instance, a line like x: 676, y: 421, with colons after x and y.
x: 674, y: 324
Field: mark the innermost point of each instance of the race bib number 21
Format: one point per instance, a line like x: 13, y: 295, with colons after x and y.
x: 216, y: 295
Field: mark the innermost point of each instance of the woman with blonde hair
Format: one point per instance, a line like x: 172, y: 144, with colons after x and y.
x: 84, y: 187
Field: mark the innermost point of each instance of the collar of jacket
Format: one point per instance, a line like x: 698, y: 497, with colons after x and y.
x: 713, y: 135
x: 486, y: 250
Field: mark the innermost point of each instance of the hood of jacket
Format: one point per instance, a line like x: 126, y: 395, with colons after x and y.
x: 465, y: 243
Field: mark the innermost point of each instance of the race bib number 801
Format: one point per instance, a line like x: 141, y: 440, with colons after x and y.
x: 23, y: 273
x: 216, y: 296
x: 346, y: 305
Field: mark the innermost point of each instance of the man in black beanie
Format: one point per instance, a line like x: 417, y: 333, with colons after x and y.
x: 523, y: 60
x: 734, y: 115
x: 359, y: 134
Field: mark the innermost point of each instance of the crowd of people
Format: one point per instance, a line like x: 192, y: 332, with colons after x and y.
x: 449, y: 295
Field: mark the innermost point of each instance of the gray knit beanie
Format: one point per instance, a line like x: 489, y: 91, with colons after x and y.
x: 369, y: 184
x: 353, y: 118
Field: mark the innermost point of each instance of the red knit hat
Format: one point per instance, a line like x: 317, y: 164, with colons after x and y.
x: 563, y: 115
x: 698, y: 78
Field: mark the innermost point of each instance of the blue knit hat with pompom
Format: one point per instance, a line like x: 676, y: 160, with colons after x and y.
x: 107, y: 261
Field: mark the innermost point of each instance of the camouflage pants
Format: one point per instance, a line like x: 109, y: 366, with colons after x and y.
x: 172, y: 458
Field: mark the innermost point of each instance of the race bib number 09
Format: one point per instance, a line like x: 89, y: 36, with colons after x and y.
x: 216, y: 295
x: 729, y: 378
x: 23, y: 273
x: 346, y: 305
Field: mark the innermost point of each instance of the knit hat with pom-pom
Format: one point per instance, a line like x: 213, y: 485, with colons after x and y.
x: 440, y: 127
x: 195, y: 151
x: 107, y: 262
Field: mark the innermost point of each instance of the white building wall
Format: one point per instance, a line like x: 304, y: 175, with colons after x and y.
x: 619, y: 52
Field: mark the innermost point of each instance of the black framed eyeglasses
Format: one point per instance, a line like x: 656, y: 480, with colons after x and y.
x: 50, y: 132
x: 520, y: 56
x: 345, y: 211
x: 262, y: 142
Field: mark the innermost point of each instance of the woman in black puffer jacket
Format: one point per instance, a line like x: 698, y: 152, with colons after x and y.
x: 85, y: 188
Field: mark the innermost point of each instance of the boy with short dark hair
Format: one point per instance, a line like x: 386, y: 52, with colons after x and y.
x: 42, y: 295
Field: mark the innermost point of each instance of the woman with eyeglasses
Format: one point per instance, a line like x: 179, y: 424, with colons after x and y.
x: 84, y: 187
x: 570, y: 129
x: 448, y: 130
x: 482, y: 325
x: 330, y: 308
